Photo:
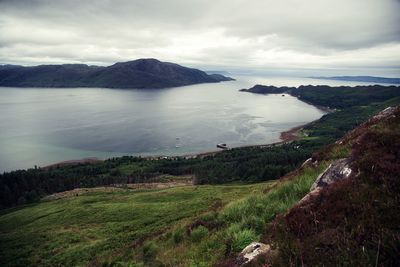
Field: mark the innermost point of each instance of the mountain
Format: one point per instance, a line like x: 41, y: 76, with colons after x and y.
x: 141, y: 73
x: 361, y: 79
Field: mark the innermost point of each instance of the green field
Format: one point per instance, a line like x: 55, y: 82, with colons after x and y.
x: 97, y: 227
x: 181, y: 226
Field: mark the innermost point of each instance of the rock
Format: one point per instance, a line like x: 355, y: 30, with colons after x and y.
x: 387, y: 112
x: 250, y: 252
x: 306, y: 162
x: 338, y: 170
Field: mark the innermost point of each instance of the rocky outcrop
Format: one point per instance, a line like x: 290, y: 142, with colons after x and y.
x: 354, y: 211
x: 251, y: 252
x: 336, y: 171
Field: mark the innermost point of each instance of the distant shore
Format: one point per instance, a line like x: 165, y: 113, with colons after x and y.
x: 73, y: 162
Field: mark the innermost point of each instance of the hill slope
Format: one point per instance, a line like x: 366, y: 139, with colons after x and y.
x: 351, y: 215
x: 141, y: 73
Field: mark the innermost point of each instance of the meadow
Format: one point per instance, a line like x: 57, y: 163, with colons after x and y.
x: 181, y: 226
x: 95, y: 227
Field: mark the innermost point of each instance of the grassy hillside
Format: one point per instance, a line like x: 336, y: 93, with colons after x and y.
x: 355, y: 221
x: 100, y: 227
x: 187, y: 226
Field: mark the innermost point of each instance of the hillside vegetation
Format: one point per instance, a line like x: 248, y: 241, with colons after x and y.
x: 103, y: 227
x: 353, y: 222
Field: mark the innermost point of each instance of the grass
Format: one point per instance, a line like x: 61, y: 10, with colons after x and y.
x: 276, y: 201
x: 237, y: 224
x: 96, y: 227
x: 132, y: 228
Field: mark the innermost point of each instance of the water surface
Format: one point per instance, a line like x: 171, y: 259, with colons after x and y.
x: 40, y: 126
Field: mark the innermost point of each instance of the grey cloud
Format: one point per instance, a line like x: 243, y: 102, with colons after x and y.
x: 218, y: 32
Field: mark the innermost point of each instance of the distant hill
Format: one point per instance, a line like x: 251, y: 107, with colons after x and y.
x: 141, y: 73
x: 222, y: 72
x: 370, y: 79
x: 337, y: 97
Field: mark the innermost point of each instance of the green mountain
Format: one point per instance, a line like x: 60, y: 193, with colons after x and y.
x: 141, y: 73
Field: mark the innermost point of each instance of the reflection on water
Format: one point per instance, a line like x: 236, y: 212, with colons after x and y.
x: 43, y: 126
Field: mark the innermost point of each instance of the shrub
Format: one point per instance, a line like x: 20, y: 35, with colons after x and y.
x: 199, y: 233
x: 21, y: 200
x: 234, y: 213
x: 233, y: 229
x: 150, y: 250
x: 178, y: 236
x: 255, y: 223
x: 208, y: 217
x: 243, y: 238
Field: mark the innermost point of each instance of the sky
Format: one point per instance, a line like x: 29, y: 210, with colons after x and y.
x: 360, y: 35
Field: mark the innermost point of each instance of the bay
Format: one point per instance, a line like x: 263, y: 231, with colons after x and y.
x: 41, y: 126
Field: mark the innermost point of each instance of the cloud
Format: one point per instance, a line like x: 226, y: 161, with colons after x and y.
x: 221, y: 33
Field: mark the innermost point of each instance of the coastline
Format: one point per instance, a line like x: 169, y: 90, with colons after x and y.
x: 72, y: 162
x: 288, y: 136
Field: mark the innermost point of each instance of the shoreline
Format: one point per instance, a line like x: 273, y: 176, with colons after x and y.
x: 290, y: 135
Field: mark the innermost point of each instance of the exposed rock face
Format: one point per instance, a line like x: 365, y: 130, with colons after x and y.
x: 250, y: 252
x: 338, y: 170
x: 384, y: 114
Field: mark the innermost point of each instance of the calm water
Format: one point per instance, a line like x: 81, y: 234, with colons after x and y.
x: 41, y: 126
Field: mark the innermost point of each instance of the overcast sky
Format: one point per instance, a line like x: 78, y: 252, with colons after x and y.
x: 259, y: 34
